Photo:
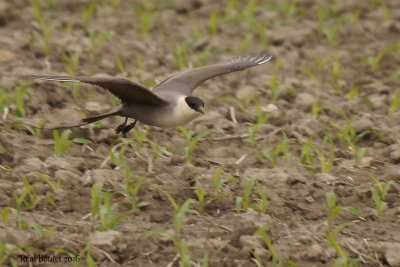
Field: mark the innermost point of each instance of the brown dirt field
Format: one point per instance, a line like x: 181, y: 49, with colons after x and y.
x: 331, y: 95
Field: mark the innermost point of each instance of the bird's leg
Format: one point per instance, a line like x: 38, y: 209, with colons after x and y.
x: 128, y: 128
x: 121, y: 127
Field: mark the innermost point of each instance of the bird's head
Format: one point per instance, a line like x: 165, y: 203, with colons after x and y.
x: 195, y: 103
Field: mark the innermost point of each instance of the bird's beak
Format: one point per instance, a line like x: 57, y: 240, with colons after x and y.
x: 201, y: 110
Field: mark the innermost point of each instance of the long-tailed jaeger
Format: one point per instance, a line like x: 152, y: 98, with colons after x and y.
x: 168, y: 104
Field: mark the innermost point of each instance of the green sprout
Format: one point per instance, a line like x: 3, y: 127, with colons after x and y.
x: 243, y: 202
x: 102, y: 208
x: 179, y: 242
x: 282, y: 149
x: 379, y: 193
x: 28, y: 199
x: 62, y: 143
x: 192, y: 140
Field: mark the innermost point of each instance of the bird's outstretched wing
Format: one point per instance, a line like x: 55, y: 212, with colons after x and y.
x: 126, y: 90
x: 186, y: 81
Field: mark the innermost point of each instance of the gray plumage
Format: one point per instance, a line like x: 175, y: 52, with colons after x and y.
x: 169, y: 103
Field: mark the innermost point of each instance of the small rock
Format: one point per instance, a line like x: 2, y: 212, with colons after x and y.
x: 30, y: 165
x: 378, y: 101
x: 104, y: 176
x: 310, y: 199
x: 363, y: 124
x: 295, y: 179
x: 269, y: 108
x: 395, y: 152
x: 57, y: 163
x: 96, y: 107
x: 246, y: 93
x: 314, y: 252
x: 391, y: 252
x: 67, y: 176
x: 104, y: 136
x: 325, y: 177
x: 251, y: 243
x: 366, y: 162
x: 252, y: 220
x: 305, y: 101
x: 7, y: 56
x: 107, y: 240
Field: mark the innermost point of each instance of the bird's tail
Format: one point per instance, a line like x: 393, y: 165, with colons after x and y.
x: 84, y: 121
x: 110, y: 113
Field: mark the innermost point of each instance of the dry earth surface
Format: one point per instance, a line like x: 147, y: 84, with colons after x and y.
x: 320, y: 121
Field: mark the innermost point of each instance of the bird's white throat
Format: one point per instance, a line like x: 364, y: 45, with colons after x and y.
x: 183, y: 112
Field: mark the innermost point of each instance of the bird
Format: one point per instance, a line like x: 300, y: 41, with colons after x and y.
x: 168, y: 104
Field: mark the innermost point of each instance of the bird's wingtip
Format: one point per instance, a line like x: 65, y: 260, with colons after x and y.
x: 263, y: 59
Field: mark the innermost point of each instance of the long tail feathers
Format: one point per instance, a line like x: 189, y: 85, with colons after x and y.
x: 84, y: 122
x: 99, y: 117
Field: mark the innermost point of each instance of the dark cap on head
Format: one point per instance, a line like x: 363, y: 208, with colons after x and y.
x: 195, y: 103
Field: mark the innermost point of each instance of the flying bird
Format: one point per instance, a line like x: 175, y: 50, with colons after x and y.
x: 168, y: 104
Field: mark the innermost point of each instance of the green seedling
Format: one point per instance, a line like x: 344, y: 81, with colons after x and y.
x: 158, y: 150
x: 214, y: 22
x: 121, y: 66
x: 274, y: 88
x: 379, y: 192
x: 97, y: 40
x: 2, y: 150
x: 45, y: 178
x: 243, y: 202
x: 344, y: 260
x: 236, y: 102
x: 102, y: 208
x: 146, y: 14
x: 28, y: 199
x: 180, y: 54
x: 71, y: 62
x: 87, y: 14
x: 325, y: 164
x: 246, y: 42
x: 313, y: 158
x: 205, y: 197
x: 131, y: 189
x: 334, y: 209
x: 6, y: 255
x: 262, y: 118
x: 46, y: 28
x: 248, y: 12
x: 316, y: 109
x: 140, y: 136
x: 14, y: 100
x: 192, y: 140
x: 42, y: 231
x: 395, y: 103
x: 373, y: 62
x: 282, y: 149
x: 268, y: 243
x: 337, y: 74
x: 179, y: 242
x: 353, y: 93
x: 62, y: 143
x: 348, y: 135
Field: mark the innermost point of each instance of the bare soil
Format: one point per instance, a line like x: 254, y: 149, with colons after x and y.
x: 296, y: 219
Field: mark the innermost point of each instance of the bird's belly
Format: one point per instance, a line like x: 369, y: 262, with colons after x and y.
x: 171, y: 119
x: 158, y: 116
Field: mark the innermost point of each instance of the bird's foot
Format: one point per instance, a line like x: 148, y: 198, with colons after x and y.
x: 121, y: 127
x: 127, y: 128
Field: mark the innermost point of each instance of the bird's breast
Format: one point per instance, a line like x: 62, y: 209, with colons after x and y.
x: 177, y: 113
